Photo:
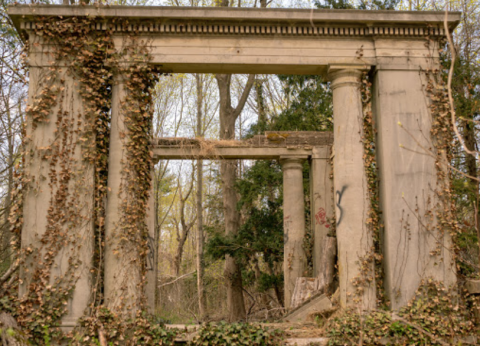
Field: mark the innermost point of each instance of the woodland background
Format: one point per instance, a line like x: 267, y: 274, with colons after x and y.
x: 188, y: 194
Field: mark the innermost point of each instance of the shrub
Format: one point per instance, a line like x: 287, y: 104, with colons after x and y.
x: 237, y: 334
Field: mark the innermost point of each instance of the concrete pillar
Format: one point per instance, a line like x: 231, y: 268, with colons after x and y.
x: 59, y: 193
x: 123, y: 271
x: 352, y: 203
x: 294, y: 260
x: 408, y: 183
x: 322, y: 215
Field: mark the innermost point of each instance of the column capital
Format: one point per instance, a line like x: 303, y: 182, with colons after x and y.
x: 322, y: 153
x: 292, y: 162
x: 346, y: 75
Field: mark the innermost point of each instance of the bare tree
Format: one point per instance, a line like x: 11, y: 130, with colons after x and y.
x: 12, y: 92
x: 202, y: 301
x: 228, y: 171
x: 182, y: 226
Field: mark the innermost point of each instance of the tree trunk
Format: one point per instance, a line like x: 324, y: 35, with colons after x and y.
x: 471, y: 165
x: 470, y: 160
x: 202, y: 302
x: 262, y: 113
x: 7, y: 235
x: 228, y: 168
x: 178, y: 255
x: 228, y: 116
x: 184, y: 226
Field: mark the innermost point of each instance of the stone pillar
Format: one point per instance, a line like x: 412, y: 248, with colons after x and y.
x: 152, y: 257
x: 294, y: 260
x: 408, y: 183
x: 59, y: 190
x: 322, y: 215
x: 352, y: 202
x: 123, y: 270
x: 116, y: 154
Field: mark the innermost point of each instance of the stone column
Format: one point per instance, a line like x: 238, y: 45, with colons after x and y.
x: 352, y: 202
x: 294, y: 260
x: 322, y: 215
x: 408, y: 183
x: 123, y: 270
x: 115, y: 157
x: 59, y: 189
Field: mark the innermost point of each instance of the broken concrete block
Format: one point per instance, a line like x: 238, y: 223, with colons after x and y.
x: 305, y: 288
x: 317, y: 303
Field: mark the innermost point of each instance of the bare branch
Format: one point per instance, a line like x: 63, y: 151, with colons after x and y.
x: 244, y: 97
x: 13, y: 268
x: 449, y: 86
x: 180, y: 277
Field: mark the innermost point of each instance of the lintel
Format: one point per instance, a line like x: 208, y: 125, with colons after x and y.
x: 271, y: 145
x: 245, y: 153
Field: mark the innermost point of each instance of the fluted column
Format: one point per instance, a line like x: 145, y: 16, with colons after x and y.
x: 294, y: 261
x: 352, y: 203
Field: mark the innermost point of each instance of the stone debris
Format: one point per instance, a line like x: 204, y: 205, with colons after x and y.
x: 316, y: 304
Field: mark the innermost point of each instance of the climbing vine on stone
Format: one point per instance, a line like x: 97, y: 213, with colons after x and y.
x: 80, y: 149
x: 131, y: 233
x: 433, y: 317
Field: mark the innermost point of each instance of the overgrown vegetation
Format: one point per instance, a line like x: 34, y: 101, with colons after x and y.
x: 436, y: 316
x: 258, y: 247
x: 237, y: 334
x: 106, y: 328
x: 85, y: 56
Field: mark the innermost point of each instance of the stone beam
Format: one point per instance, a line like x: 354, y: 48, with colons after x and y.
x: 271, y: 145
x: 169, y: 153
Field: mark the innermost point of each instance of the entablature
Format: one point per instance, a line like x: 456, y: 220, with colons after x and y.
x: 251, y: 40
x: 271, y: 145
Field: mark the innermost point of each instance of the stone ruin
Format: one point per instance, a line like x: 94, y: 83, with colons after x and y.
x: 394, y: 47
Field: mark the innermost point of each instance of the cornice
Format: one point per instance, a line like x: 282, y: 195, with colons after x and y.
x: 246, y: 21
x: 263, y: 30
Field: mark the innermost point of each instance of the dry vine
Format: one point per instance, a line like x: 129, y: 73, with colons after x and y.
x: 84, y: 64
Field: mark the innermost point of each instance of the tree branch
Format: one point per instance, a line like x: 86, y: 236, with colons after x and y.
x: 244, y: 97
x: 449, y: 87
x: 13, y: 268
x: 180, y: 277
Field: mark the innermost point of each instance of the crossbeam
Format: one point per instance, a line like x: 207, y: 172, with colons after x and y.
x: 177, y: 153
x: 271, y: 145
